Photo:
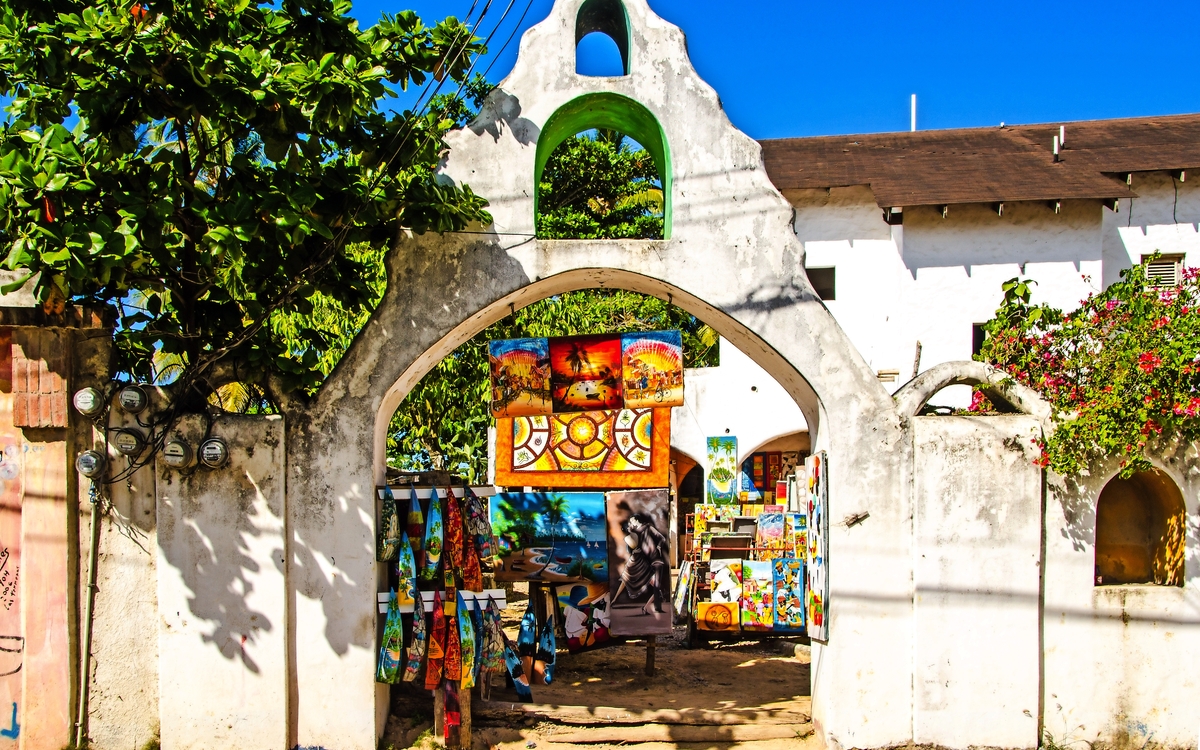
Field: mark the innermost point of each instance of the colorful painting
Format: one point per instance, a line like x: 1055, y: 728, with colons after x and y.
x: 627, y: 448
x: 704, y: 514
x: 520, y: 377
x: 817, y: 562
x: 639, y: 565
x: 652, y: 365
x: 789, y: 593
x: 758, y: 595
x: 725, y: 581
x: 722, y: 470
x: 550, y: 537
x: 586, y: 616
x: 797, y: 528
x: 585, y: 373
x: 771, y: 538
x: 717, y: 616
x: 748, y: 491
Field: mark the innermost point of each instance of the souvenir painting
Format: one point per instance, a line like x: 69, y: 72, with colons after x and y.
x: 725, y: 581
x: 758, y: 595
x: 585, y: 373
x: 639, y: 568
x: 770, y: 537
x: 652, y: 366
x: 797, y: 528
x: 789, y: 594
x: 722, y: 470
x: 520, y: 371
x: 817, y: 562
x: 550, y: 537
x: 586, y: 618
x: 626, y: 448
x: 706, y: 513
x: 748, y: 492
x: 717, y: 616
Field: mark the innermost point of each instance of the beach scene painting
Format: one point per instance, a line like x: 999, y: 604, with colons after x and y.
x: 585, y: 373
x: 652, y: 364
x: 551, y: 537
x: 520, y: 370
x: 722, y: 470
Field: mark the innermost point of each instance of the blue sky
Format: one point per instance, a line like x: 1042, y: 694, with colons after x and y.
x: 793, y: 68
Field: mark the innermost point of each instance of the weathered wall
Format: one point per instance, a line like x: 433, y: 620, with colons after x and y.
x: 1119, y: 659
x: 977, y: 555
x: 222, y: 592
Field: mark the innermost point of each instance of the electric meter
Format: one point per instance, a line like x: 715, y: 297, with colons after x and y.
x: 177, y: 454
x: 90, y: 464
x: 129, y: 442
x: 88, y: 401
x: 133, y: 399
x: 214, y: 453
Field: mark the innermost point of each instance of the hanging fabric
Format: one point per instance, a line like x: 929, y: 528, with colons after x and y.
x: 406, y: 573
x: 388, y: 542
x: 416, y: 527
x: 454, y: 533
x: 477, y: 625
x: 450, y: 603
x: 453, y: 669
x: 472, y: 573
x: 491, y: 661
x: 515, y: 672
x: 437, y: 646
x: 433, y: 539
x: 393, y: 643
x: 416, y: 646
x: 527, y: 636
x: 478, y: 523
x: 452, y: 714
x: 466, y: 641
x: 543, y: 662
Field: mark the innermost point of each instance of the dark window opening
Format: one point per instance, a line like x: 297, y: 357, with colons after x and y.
x: 978, y: 336
x: 824, y: 281
x: 1140, y: 527
x: 600, y: 184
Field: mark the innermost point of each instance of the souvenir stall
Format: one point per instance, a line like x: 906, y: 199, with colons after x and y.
x: 580, y: 512
x: 751, y: 565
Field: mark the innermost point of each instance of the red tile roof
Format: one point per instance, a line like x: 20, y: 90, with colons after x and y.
x: 988, y: 165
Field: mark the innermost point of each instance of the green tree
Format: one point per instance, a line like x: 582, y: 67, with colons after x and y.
x: 600, y: 185
x: 1121, y: 371
x: 230, y: 169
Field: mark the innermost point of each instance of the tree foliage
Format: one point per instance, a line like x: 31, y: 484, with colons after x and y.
x: 598, y: 185
x: 230, y: 170
x: 1119, y: 372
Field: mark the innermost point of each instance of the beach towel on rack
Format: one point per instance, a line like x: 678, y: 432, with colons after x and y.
x: 435, y: 661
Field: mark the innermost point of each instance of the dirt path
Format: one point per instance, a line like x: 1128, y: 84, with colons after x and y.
x: 744, y: 694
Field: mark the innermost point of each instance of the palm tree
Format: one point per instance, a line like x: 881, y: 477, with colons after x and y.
x: 577, y: 358
x: 554, y: 508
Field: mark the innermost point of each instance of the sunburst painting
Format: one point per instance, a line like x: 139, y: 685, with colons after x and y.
x: 585, y: 373
x: 652, y: 363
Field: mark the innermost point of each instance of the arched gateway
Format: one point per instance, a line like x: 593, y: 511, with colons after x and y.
x: 731, y: 258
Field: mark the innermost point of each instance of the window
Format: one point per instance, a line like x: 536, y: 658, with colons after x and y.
x: 1164, y: 270
x: 1140, y: 524
x: 602, y: 39
x: 824, y: 281
x: 978, y: 335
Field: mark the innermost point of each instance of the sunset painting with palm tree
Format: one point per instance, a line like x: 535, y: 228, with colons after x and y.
x: 585, y: 373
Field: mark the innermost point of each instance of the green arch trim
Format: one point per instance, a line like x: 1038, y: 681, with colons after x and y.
x: 616, y: 112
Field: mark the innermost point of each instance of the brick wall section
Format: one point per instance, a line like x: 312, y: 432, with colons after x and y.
x: 39, y: 362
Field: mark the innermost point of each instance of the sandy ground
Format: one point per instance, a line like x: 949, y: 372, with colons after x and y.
x: 730, y: 694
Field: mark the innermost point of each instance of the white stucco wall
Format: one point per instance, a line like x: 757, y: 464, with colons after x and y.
x: 737, y: 398
x: 930, y: 279
x: 222, y: 595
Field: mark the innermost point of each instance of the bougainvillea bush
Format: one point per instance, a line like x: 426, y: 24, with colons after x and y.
x: 1120, y: 371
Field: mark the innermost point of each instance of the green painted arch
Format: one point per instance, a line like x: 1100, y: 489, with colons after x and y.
x: 615, y: 112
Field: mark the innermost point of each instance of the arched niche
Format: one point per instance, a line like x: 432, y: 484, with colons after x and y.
x: 615, y: 112
x: 1140, y: 531
x: 607, y: 17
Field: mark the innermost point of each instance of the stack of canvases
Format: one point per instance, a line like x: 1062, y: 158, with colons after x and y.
x: 452, y: 639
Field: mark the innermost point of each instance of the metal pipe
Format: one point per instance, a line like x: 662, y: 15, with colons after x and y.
x: 89, y: 601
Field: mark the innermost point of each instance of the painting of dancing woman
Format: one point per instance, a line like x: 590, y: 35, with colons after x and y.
x: 639, y: 564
